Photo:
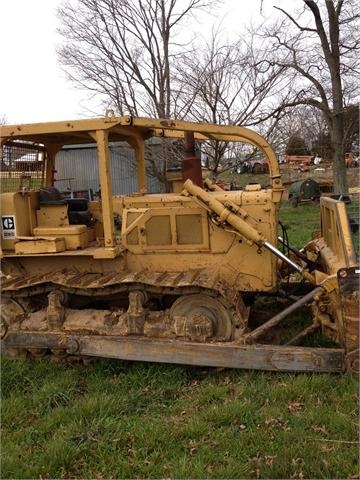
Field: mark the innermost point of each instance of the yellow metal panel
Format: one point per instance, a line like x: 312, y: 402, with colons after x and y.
x: 132, y: 238
x: 336, y: 233
x: 132, y: 216
x: 189, y: 229
x: 107, y: 253
x: 52, y: 216
x: 43, y: 245
x: 18, y: 216
x: 75, y: 236
x: 138, y: 143
x: 158, y: 231
x: 61, y: 231
x: 52, y: 149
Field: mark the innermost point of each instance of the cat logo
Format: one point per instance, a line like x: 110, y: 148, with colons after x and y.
x: 8, y: 227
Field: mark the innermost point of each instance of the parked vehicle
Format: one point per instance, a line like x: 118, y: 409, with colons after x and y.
x: 169, y: 277
x: 304, y: 191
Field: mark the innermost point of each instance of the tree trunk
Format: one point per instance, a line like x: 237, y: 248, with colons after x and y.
x: 339, y: 168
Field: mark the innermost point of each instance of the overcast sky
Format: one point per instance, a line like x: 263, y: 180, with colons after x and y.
x: 33, y: 87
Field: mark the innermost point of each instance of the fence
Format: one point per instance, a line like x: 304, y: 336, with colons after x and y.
x: 22, y: 165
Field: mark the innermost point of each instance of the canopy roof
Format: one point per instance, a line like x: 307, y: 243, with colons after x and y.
x: 134, y: 129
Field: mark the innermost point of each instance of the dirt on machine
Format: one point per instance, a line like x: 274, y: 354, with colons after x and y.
x: 167, y: 277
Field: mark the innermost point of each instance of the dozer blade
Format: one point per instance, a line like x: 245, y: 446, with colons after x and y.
x: 348, y: 279
x: 228, y: 355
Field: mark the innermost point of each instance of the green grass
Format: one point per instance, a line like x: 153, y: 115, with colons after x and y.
x: 133, y: 420
x: 300, y: 222
x: 13, y: 184
x: 303, y: 222
x: 115, y: 419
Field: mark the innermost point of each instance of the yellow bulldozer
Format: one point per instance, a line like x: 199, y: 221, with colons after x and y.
x: 179, y: 283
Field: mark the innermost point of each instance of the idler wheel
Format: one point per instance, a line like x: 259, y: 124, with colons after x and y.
x: 201, y: 317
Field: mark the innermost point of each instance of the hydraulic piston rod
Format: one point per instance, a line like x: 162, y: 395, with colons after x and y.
x: 283, y: 257
x: 241, y: 226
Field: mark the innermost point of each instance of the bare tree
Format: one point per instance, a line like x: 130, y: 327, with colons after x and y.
x: 351, y: 127
x: 229, y: 83
x: 124, y: 50
x: 304, y: 121
x: 319, y: 45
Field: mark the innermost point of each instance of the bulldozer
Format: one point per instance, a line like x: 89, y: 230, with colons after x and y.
x: 179, y: 278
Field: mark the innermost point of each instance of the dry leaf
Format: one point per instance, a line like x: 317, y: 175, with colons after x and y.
x: 326, y: 449
x: 295, y: 406
x: 271, y: 421
x: 297, y: 475
x: 210, y: 468
x: 269, y: 460
x: 320, y: 428
x: 256, y: 472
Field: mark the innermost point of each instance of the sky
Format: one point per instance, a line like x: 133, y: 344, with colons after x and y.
x: 33, y: 87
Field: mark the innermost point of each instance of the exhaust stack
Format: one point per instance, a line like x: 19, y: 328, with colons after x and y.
x: 191, y: 164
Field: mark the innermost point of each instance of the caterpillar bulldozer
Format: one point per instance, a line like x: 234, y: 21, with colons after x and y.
x: 181, y: 281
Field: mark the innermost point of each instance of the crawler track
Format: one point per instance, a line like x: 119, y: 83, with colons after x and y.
x: 102, y: 285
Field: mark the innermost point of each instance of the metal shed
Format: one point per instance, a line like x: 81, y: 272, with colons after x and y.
x: 77, y: 169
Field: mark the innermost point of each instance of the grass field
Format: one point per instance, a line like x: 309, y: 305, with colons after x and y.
x: 304, y: 221
x: 115, y: 419
x: 13, y: 184
x: 120, y: 420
